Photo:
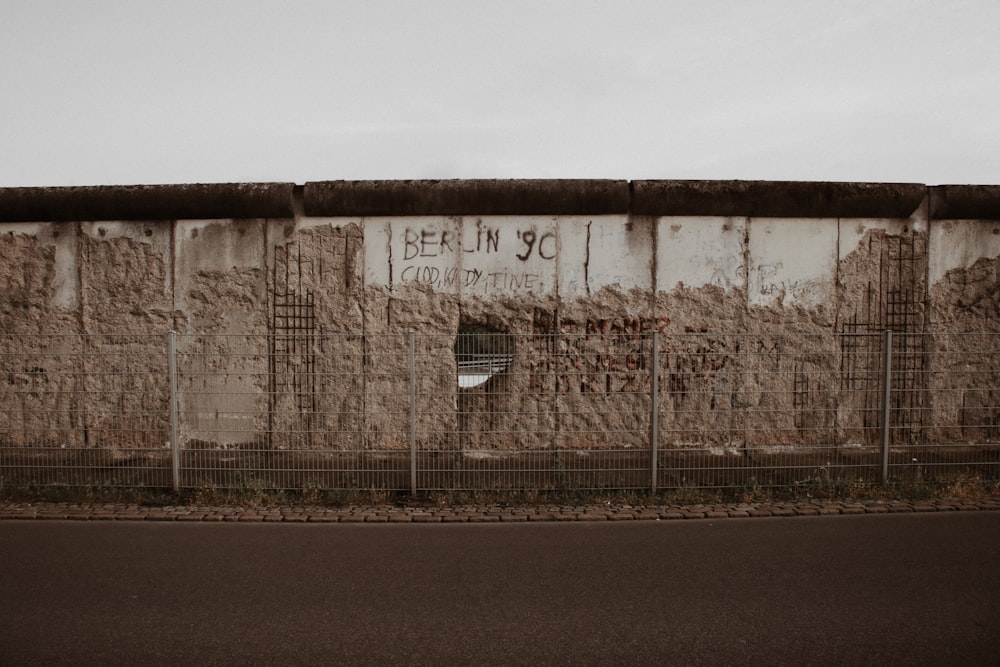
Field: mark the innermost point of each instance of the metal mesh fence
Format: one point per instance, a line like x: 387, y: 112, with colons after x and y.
x: 84, y: 410
x: 493, y: 411
x: 535, y: 411
x: 294, y: 411
x: 944, y: 411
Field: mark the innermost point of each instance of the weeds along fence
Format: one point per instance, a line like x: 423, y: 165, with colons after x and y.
x: 487, y: 411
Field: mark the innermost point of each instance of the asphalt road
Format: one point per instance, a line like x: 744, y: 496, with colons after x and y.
x: 882, y: 590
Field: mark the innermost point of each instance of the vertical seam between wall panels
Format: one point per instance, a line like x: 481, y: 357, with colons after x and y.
x: 836, y: 279
x: 746, y: 272
x: 654, y: 234
x: 836, y: 325
x: 79, y: 275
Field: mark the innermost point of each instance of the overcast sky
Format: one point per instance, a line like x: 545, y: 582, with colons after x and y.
x: 108, y: 92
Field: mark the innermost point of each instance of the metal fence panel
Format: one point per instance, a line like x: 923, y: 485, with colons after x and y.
x: 945, y: 411
x: 84, y: 410
x: 496, y: 411
x: 298, y: 411
x: 766, y: 410
x: 504, y: 411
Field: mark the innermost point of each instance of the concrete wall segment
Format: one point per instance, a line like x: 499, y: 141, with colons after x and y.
x: 66, y: 283
x: 959, y: 244
x: 853, y: 232
x: 45, y: 235
x: 126, y: 277
x: 793, y: 263
x: 696, y: 251
x: 422, y: 250
x: 466, y: 255
x: 27, y: 276
x: 493, y: 256
x: 220, y: 244
x: 720, y: 269
x: 963, y: 261
x: 220, y: 262
x: 524, y: 259
x: 620, y: 252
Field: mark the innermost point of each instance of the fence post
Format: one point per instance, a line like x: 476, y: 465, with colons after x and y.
x: 413, y: 414
x: 886, y: 401
x: 654, y: 399
x: 175, y: 444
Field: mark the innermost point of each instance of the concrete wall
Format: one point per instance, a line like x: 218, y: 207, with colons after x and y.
x: 736, y: 261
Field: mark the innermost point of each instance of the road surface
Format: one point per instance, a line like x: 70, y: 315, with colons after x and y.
x: 889, y: 590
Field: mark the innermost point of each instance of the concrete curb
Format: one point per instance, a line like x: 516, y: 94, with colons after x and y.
x: 487, y: 513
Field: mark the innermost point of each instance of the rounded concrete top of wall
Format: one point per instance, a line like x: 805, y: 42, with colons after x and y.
x: 965, y: 202
x: 777, y: 199
x: 466, y: 197
x: 147, y: 202
x: 790, y: 199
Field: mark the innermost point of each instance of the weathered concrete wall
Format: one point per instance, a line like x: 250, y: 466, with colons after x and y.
x: 964, y: 300
x: 745, y: 281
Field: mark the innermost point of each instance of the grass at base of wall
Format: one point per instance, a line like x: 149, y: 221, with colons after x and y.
x: 957, y: 486
x: 91, y: 494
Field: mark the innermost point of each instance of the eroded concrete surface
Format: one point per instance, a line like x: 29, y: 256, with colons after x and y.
x: 746, y: 308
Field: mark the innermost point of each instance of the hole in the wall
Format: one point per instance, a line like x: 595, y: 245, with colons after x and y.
x: 194, y: 233
x: 481, y: 352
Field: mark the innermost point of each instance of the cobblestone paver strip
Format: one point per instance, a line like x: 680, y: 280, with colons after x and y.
x: 486, y: 513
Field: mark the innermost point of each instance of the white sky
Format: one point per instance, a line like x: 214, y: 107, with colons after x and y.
x: 99, y: 92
